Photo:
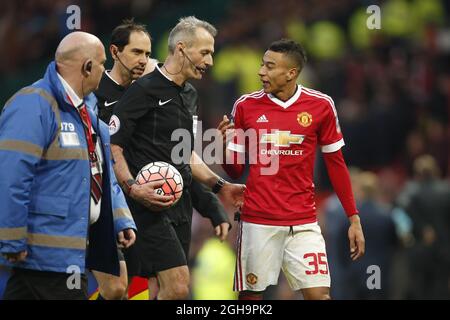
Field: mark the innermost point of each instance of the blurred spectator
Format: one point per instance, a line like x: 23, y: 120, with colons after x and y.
x: 349, y: 279
x: 427, y: 202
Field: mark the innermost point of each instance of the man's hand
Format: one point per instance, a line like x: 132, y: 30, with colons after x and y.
x: 232, y: 196
x: 146, y: 195
x: 222, y: 230
x: 226, y: 129
x: 16, y: 256
x: 126, y: 238
x: 356, y: 238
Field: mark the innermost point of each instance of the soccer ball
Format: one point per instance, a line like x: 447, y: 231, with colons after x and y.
x: 155, y: 171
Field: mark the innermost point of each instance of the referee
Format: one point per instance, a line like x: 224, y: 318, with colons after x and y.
x: 150, y: 110
x: 130, y: 48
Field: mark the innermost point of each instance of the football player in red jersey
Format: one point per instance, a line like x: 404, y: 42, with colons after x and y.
x: 285, y: 123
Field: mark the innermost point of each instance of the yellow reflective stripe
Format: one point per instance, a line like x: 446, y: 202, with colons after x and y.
x: 55, y: 152
x: 21, y: 146
x: 13, y: 233
x: 122, y: 213
x: 23, y: 91
x: 44, y: 240
x: 41, y: 92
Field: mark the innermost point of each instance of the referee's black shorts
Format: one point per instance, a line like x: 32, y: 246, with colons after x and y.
x: 163, y: 238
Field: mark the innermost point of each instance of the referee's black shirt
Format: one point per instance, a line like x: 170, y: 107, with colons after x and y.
x: 145, y: 117
x: 108, y: 94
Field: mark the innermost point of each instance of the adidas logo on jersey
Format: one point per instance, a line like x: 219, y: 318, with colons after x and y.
x: 262, y: 119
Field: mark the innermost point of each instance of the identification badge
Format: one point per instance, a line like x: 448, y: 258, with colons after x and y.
x: 69, y: 139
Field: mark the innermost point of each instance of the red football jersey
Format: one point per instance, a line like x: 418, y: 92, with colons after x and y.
x: 281, y: 139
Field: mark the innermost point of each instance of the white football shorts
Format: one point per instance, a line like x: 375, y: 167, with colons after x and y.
x: 263, y: 250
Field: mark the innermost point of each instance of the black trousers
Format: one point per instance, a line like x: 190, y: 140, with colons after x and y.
x: 25, y: 284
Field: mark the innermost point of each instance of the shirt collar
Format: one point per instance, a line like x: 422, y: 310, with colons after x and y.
x: 76, y: 100
x: 157, y: 67
x: 288, y: 103
x: 109, y: 76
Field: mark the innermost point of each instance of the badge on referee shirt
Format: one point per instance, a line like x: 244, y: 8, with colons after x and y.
x: 114, y: 125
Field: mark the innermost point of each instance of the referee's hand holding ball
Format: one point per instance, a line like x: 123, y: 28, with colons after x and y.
x: 147, y: 196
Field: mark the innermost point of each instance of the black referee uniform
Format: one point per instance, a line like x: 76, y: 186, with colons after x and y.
x: 108, y: 94
x: 144, y: 118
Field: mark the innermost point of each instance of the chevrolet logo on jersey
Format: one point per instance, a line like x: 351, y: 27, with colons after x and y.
x: 282, y: 138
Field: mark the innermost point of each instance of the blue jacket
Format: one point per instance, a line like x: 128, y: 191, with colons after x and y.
x: 45, y: 184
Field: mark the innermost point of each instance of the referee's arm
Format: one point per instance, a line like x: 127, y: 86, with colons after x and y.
x: 232, y: 195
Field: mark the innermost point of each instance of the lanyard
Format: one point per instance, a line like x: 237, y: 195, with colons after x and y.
x: 87, y: 124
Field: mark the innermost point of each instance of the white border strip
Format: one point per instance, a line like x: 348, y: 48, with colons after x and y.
x: 333, y: 147
x: 236, y: 147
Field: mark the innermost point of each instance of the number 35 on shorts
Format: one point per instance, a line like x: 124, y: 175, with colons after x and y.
x: 318, y: 261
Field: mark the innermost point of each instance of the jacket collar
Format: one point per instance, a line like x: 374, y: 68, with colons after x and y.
x: 52, y: 77
x: 70, y: 92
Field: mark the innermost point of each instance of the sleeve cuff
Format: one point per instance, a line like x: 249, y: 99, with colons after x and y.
x: 236, y: 147
x: 122, y: 224
x: 333, y: 147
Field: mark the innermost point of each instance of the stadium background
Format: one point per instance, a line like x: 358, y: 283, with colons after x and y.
x: 392, y: 92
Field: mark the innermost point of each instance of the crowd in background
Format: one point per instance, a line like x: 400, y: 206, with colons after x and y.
x: 391, y: 88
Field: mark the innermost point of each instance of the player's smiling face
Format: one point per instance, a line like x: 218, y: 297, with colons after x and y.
x: 274, y: 71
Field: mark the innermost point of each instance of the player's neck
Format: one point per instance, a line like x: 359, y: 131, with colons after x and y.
x: 286, y: 93
x: 121, y: 78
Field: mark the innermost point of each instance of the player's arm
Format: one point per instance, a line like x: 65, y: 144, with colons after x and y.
x: 130, y: 108
x: 232, y: 195
x: 331, y: 141
x: 340, y: 179
x: 21, y: 149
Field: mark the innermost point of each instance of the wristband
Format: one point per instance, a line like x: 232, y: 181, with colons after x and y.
x: 219, y: 184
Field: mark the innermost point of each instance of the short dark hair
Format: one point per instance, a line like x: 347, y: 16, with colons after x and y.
x: 292, y: 49
x: 120, y: 36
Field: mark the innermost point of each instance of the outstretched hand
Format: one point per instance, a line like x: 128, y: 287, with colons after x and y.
x: 232, y: 196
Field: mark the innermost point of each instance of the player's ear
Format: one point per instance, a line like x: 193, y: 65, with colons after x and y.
x: 180, y: 48
x: 87, y: 68
x: 292, y: 74
x: 114, y: 51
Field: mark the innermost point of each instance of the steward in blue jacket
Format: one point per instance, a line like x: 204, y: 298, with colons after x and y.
x: 45, y: 183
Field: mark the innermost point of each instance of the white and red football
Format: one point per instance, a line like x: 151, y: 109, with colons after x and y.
x: 159, y: 170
